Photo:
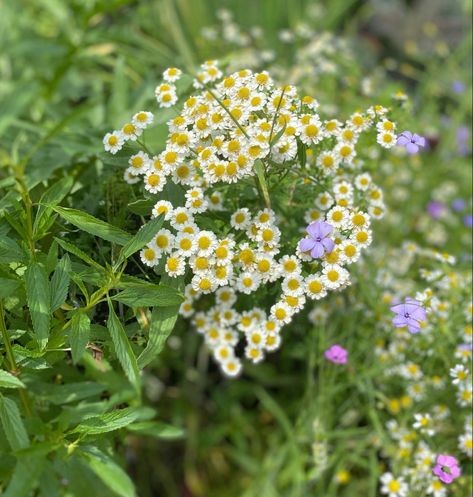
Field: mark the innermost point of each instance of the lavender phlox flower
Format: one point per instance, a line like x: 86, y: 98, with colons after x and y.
x: 411, y: 142
x: 317, y: 242
x: 435, y: 209
x: 410, y: 314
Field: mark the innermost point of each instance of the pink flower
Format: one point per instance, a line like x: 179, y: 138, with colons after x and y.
x: 447, y: 468
x: 336, y: 354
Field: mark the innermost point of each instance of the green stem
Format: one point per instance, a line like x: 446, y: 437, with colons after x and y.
x: 11, y: 359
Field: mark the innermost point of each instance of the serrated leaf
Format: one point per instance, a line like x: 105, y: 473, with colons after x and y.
x: 7, y: 380
x: 67, y: 393
x: 10, y: 251
x: 122, y: 347
x: 79, y: 335
x: 78, y: 253
x: 142, y: 238
x: 107, y: 422
x: 109, y: 472
x: 60, y: 283
x: 149, y: 295
x: 38, y: 294
x: 156, y: 429
x: 13, y: 424
x: 94, y: 226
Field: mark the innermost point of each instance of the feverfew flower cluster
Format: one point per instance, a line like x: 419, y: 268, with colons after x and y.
x: 242, y: 136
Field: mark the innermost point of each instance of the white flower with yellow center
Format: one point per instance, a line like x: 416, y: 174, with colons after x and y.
x: 204, y: 282
x: 248, y: 282
x: 142, y: 119
x: 113, y: 142
x: 172, y: 74
x: 315, y: 288
x: 154, y: 182
x: 232, y: 367
x: 150, y: 256
x: 281, y: 313
x: 163, y: 241
x: 334, y: 276
x: 163, y: 207
x: 393, y: 487
x: 185, y: 244
x: 139, y: 162
x: 175, y: 265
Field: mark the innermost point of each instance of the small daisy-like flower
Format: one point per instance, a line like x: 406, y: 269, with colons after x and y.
x: 254, y: 354
x: 248, y: 282
x: 150, y: 256
x: 142, y: 119
x: 231, y: 367
x: 180, y: 217
x: 423, y: 423
x: 281, y: 313
x: 315, y: 288
x: 185, y: 244
x: 139, y: 163
x: 459, y: 374
x: 172, y: 74
x: 204, y: 282
x: 393, y: 487
x: 131, y: 132
x: 363, y: 181
x: 163, y: 207
x: 206, y: 242
x: 113, y: 142
x: 154, y: 182
x: 334, y: 276
x: 386, y: 139
x: 130, y: 176
x: 175, y: 265
x: 163, y: 240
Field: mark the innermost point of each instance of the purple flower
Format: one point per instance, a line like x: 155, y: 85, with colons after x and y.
x: 409, y: 314
x: 458, y: 205
x: 435, y: 209
x: 446, y: 468
x: 317, y: 242
x: 468, y: 221
x: 458, y: 86
x: 411, y: 142
x: 336, y: 354
x: 463, y: 137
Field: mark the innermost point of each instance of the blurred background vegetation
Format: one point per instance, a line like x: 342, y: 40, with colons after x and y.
x: 72, y: 70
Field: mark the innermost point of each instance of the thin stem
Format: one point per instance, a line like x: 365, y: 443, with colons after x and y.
x: 11, y: 359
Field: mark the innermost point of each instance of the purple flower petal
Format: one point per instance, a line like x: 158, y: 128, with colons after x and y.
x: 328, y: 244
x: 412, y: 148
x: 325, y: 229
x: 402, y: 140
x: 399, y: 308
x: 306, y: 244
x: 399, y: 321
x: 314, y: 230
x: 419, y: 140
x: 317, y: 251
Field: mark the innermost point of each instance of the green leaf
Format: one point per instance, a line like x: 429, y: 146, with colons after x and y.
x: 67, y: 393
x: 7, y: 287
x: 78, y: 253
x: 51, y: 197
x: 109, y: 472
x: 60, y: 283
x: 13, y: 424
x: 107, y: 422
x: 156, y: 429
x: 149, y: 295
x: 25, y: 476
x: 259, y: 169
x: 142, y: 238
x: 142, y: 207
x: 10, y: 251
x: 79, y: 335
x: 7, y: 380
x: 38, y: 294
x: 94, y: 226
x: 301, y: 153
x: 122, y: 347
x: 162, y: 324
